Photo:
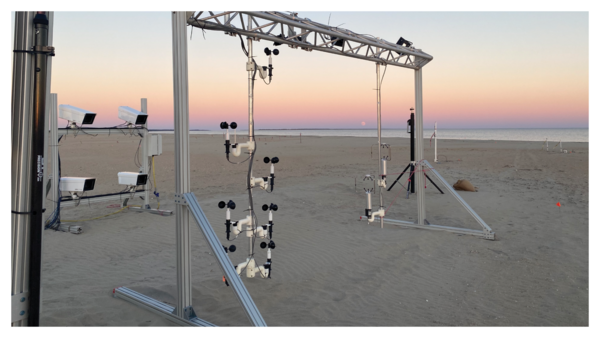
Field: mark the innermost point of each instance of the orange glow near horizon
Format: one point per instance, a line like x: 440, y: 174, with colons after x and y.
x: 485, y: 88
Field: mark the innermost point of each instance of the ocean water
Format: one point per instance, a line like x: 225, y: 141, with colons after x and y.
x: 553, y: 135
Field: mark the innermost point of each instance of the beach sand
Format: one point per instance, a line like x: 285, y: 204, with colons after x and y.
x: 329, y: 269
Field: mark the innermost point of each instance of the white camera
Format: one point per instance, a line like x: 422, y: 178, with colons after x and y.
x: 75, y: 115
x: 75, y: 185
x: 132, y: 116
x: 132, y: 178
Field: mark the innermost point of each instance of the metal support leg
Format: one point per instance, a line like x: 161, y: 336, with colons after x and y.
x: 419, y: 170
x: 377, y: 65
x: 182, y: 164
x: 54, y: 181
x: 431, y: 181
x: 400, y: 176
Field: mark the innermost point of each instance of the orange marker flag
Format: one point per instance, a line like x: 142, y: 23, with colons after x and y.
x: 558, y: 204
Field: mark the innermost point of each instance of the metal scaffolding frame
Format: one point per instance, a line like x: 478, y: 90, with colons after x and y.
x: 261, y: 25
x: 308, y: 35
x: 294, y: 32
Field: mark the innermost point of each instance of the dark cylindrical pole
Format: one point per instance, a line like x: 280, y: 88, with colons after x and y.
x: 39, y: 136
x: 412, y: 151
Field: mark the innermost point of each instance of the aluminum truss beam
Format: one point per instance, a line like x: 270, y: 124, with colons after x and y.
x: 309, y: 35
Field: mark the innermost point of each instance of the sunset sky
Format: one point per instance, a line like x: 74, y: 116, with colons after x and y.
x: 490, y: 70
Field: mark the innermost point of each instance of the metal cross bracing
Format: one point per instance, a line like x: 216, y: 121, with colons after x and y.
x: 308, y: 35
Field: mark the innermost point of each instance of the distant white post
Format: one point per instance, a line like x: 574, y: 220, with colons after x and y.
x: 435, y: 142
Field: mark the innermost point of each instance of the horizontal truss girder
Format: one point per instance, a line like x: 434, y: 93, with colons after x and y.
x: 309, y: 35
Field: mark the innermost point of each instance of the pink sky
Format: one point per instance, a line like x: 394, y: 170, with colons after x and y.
x: 489, y: 70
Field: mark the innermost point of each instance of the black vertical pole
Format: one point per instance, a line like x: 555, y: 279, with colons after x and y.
x: 412, y: 151
x: 38, y: 136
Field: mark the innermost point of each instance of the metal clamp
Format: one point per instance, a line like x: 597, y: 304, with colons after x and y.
x: 19, y: 306
x: 44, y: 49
x: 180, y: 199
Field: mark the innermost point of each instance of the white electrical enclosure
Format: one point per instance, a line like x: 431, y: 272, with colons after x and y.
x: 77, y: 184
x: 155, y: 145
x: 75, y: 114
x: 132, y: 116
x: 132, y: 178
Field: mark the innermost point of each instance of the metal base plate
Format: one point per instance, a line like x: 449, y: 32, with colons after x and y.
x: 157, y: 307
x: 480, y: 233
x: 163, y: 212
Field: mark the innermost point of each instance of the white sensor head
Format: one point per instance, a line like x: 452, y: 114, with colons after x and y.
x: 132, y: 116
x: 75, y: 115
x: 132, y: 178
x: 76, y: 184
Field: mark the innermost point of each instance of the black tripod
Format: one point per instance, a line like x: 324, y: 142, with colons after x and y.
x: 410, y: 128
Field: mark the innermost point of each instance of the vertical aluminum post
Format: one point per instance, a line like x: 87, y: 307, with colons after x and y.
x: 182, y: 164
x: 48, y: 106
x: 54, y: 196
x: 412, y: 151
x: 419, y: 177
x: 22, y: 101
x: 144, y: 167
x: 250, y: 128
x: 435, y: 142
x: 377, y: 66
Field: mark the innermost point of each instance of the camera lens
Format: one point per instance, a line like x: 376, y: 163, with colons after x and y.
x: 274, y: 160
x: 273, y: 207
x: 221, y: 204
x: 263, y: 245
x: 233, y: 125
x: 231, y: 204
x: 266, y: 160
x: 224, y: 125
x: 232, y: 248
x: 268, y: 52
x: 265, y: 207
x: 275, y: 51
